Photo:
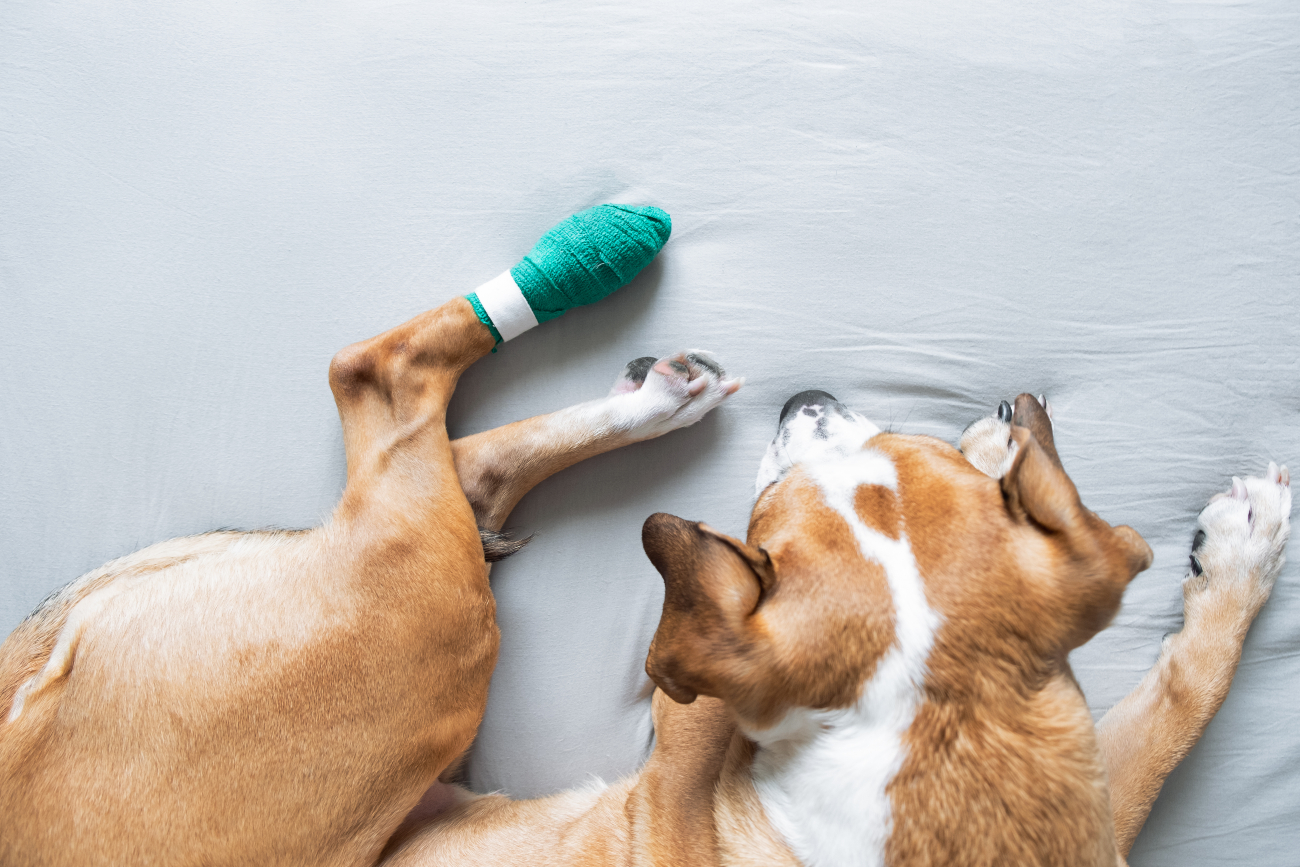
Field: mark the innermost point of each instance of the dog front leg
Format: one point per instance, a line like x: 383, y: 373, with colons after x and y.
x: 650, y: 398
x: 1235, y: 560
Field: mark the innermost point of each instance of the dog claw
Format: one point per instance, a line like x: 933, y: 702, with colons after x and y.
x: 1274, y: 473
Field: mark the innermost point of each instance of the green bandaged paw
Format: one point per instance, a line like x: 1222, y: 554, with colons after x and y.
x: 580, y: 261
x: 590, y: 255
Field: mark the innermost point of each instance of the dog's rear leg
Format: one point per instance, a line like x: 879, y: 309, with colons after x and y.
x: 1236, y: 558
x: 496, y: 468
x: 392, y: 393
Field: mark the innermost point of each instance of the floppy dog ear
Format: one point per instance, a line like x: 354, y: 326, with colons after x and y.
x: 712, y: 584
x: 1029, y: 413
x: 1036, y: 486
x: 1037, y: 489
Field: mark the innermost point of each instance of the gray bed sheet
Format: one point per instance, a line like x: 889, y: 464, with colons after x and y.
x: 922, y: 208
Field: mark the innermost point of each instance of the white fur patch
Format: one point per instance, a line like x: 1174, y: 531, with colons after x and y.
x: 506, y: 306
x: 822, y: 775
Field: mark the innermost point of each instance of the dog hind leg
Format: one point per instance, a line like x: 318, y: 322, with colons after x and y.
x: 497, y: 468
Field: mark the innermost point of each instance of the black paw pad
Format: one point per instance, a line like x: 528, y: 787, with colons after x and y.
x: 678, y: 367
x: 637, y: 370
x: 707, y: 363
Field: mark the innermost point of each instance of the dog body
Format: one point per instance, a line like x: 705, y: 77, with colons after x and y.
x: 287, y: 698
x: 876, y: 675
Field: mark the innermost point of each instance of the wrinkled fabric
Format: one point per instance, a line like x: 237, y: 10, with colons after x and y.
x: 921, y: 209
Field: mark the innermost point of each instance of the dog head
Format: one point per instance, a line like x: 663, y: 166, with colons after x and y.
x: 882, y: 561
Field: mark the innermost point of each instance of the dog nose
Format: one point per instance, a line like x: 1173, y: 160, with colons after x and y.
x: 812, y: 397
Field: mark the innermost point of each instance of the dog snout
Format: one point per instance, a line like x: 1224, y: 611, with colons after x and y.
x: 814, y: 426
x: 806, y: 400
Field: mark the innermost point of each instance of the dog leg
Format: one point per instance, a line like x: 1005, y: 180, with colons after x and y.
x: 497, y: 468
x: 392, y: 393
x: 1235, y: 561
x: 304, y: 666
x: 650, y: 398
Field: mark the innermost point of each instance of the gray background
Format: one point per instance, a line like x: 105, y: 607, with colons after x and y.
x: 921, y: 209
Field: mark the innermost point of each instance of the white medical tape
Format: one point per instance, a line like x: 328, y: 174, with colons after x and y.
x: 506, y: 306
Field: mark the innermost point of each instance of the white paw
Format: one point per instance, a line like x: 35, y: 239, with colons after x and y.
x: 1243, y: 534
x: 651, y: 399
x: 987, y: 441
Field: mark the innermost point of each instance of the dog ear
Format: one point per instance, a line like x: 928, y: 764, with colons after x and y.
x: 712, y: 585
x: 1029, y: 413
x: 1047, y: 493
x: 1105, y: 559
x: 1036, y: 486
x: 1137, y: 553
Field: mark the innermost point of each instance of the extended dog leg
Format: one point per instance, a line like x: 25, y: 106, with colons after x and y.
x: 1236, y: 558
x: 497, y: 467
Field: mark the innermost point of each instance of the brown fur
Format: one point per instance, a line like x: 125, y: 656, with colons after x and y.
x: 1003, y: 765
x: 290, y: 698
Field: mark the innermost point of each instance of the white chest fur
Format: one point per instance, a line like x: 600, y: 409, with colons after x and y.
x: 822, y: 775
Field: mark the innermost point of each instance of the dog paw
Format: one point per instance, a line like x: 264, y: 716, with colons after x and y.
x: 987, y: 443
x: 652, y: 397
x: 1240, y: 546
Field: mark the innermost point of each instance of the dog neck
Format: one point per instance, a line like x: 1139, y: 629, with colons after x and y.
x: 822, y: 775
x: 824, y: 779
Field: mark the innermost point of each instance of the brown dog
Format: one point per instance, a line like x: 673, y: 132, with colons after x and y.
x: 887, y: 660
x: 878, y: 675
x: 286, y: 698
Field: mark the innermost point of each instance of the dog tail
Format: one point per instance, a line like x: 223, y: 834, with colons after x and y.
x: 499, y: 546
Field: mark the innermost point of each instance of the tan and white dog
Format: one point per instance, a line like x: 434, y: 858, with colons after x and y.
x: 876, y: 676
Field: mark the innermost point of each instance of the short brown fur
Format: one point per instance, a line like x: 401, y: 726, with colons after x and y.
x: 289, y: 698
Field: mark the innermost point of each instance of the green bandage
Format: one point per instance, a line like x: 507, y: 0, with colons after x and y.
x: 580, y: 261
